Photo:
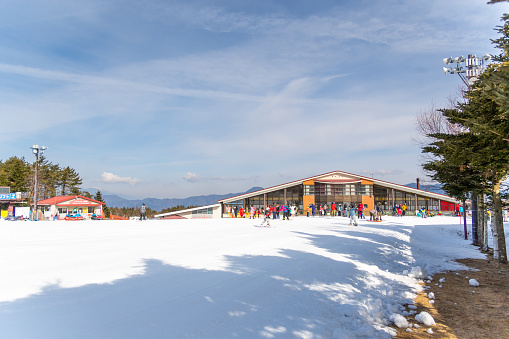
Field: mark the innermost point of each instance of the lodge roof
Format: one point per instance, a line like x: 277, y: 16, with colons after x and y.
x: 62, y: 199
x: 338, y: 177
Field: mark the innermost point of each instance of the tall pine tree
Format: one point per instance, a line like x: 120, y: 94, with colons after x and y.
x: 69, y: 181
x: 98, y: 196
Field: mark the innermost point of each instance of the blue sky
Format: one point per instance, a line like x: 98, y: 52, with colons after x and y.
x: 171, y: 99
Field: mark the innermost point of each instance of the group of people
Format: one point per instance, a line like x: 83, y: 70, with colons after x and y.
x: 399, y: 210
x: 271, y: 211
x: 336, y: 210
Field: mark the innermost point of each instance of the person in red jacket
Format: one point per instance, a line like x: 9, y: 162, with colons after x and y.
x: 333, y: 209
x: 360, y: 208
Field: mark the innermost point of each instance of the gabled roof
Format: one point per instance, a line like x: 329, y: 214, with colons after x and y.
x: 184, y: 211
x: 340, y: 177
x: 63, y: 200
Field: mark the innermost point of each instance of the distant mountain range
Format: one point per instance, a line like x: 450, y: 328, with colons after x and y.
x: 435, y: 188
x: 113, y: 200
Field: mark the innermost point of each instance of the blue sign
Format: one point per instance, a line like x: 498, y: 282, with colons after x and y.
x: 10, y: 196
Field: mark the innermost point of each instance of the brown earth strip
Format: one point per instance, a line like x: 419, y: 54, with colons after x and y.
x: 463, y: 311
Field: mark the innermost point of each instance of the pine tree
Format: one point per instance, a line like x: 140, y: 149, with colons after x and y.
x: 15, y: 173
x: 69, y: 181
x: 477, y: 159
x: 48, y: 178
x: 98, y: 196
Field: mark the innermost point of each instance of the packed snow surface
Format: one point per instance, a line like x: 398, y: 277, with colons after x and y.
x: 218, y: 278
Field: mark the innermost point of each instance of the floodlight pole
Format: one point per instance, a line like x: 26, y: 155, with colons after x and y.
x: 36, y: 149
x: 474, y: 66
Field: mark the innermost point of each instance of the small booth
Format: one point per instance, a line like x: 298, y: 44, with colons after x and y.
x: 73, y: 207
x: 8, y: 201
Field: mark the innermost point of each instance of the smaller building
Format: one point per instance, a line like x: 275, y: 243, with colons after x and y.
x: 69, y: 205
x: 202, y: 212
x: 10, y: 200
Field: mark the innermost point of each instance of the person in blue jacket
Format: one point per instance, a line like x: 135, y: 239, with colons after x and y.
x: 143, y: 210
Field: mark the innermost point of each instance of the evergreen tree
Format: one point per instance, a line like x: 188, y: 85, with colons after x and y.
x: 98, y: 196
x: 477, y: 159
x: 70, y: 181
x: 86, y: 194
x: 48, y: 180
x: 15, y: 173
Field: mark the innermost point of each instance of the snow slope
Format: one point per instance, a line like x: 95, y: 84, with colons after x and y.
x: 223, y: 278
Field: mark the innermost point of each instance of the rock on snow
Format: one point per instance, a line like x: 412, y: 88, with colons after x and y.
x: 473, y: 282
x: 418, y: 273
x: 399, y: 320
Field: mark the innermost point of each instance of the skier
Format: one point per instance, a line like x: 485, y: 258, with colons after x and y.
x: 293, y: 211
x: 353, y: 215
x: 379, y: 211
x: 266, y: 217
x: 143, y: 210
x: 360, y: 208
x: 253, y: 212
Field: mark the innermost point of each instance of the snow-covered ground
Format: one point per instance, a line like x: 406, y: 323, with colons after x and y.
x: 223, y: 278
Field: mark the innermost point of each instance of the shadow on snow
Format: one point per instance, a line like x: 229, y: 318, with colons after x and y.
x: 297, y: 294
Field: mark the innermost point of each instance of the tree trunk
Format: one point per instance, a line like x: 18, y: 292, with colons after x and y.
x: 480, y: 221
x: 475, y: 224
x: 498, y: 227
x: 465, y: 219
x: 486, y: 229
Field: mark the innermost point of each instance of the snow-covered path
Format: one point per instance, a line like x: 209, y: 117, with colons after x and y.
x: 305, y: 278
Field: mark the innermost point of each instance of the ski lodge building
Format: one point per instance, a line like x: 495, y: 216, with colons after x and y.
x: 69, y: 204
x: 339, y: 187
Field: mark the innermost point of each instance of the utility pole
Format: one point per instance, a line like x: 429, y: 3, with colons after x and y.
x: 36, y: 149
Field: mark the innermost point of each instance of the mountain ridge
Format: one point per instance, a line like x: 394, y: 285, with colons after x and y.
x: 113, y: 200
x: 157, y: 204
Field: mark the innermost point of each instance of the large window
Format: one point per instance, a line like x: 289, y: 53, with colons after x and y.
x: 349, y: 194
x: 381, y: 196
x: 367, y: 190
x: 203, y: 213
x: 309, y: 189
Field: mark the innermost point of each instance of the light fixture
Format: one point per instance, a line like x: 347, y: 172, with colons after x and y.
x: 448, y: 60
x: 473, y: 64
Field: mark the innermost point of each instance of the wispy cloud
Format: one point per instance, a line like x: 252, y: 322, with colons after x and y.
x: 211, y: 89
x: 193, y: 177
x: 381, y: 172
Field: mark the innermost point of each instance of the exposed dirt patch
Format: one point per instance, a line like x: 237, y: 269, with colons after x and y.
x: 464, y: 311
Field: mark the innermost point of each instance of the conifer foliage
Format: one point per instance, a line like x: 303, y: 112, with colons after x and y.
x: 476, y: 159
x: 53, y: 180
x: 99, y: 197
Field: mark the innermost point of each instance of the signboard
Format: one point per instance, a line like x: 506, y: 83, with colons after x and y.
x: 79, y: 202
x: 9, y: 196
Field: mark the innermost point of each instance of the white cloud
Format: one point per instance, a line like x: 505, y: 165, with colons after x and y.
x: 191, y: 177
x: 113, y: 178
